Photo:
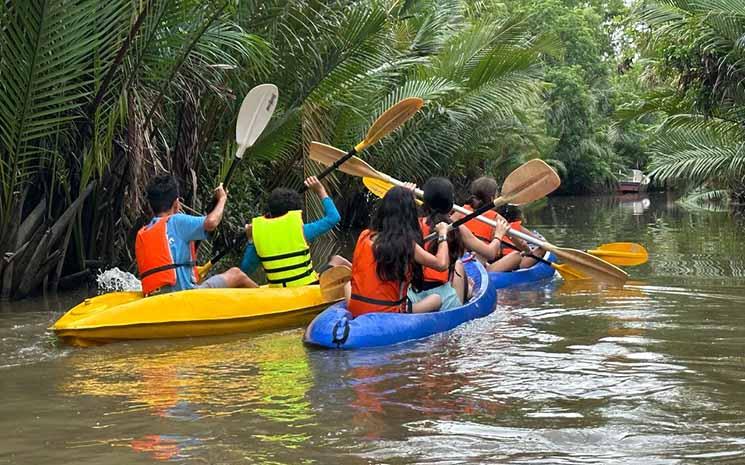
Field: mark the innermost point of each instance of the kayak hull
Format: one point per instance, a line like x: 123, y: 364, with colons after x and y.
x: 121, y: 316
x: 538, y: 272
x: 335, y: 328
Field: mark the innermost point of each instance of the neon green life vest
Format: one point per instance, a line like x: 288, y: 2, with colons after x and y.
x: 283, y: 251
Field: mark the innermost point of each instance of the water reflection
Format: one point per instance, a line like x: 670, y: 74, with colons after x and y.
x: 191, y: 381
x: 165, y: 447
x: 637, y: 203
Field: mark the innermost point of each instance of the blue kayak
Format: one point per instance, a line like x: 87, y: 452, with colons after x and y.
x: 335, y: 328
x: 537, y: 272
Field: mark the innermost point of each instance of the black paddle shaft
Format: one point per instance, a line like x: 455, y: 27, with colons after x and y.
x: 332, y: 167
x: 479, y: 211
x: 231, y: 170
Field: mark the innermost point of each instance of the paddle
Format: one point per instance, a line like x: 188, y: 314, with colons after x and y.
x: 386, y: 123
x: 616, y: 253
x: 256, y: 111
x: 389, y: 121
x: 584, y: 263
x: 531, y: 181
x: 622, y: 253
x: 332, y: 282
x: 566, y: 271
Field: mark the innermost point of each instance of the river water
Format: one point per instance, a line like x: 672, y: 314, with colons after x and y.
x: 652, y: 374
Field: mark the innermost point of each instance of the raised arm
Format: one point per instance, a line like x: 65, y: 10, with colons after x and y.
x: 331, y: 215
x: 440, y: 261
x: 212, y: 221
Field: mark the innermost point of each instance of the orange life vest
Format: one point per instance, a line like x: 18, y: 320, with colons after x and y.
x: 482, y: 230
x: 517, y: 226
x: 431, y: 277
x: 370, y: 293
x: 154, y: 260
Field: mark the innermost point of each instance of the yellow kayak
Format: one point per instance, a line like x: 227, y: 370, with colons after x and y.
x: 198, y: 312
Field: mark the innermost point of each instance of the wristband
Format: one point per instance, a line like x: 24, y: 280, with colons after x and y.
x: 441, y: 239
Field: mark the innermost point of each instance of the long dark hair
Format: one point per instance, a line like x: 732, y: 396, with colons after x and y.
x: 483, y: 190
x: 438, y: 201
x: 396, y: 230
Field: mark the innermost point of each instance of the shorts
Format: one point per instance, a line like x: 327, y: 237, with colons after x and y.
x: 213, y: 282
x: 446, y: 292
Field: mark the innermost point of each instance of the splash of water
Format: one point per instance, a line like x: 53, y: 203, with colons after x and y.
x: 115, y: 279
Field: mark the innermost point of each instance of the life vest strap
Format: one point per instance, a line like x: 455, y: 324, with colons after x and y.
x: 170, y: 266
x: 384, y: 303
x: 284, y: 281
x: 283, y: 256
x: 287, y: 268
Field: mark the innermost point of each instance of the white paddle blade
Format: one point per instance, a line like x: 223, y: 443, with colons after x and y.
x: 256, y: 111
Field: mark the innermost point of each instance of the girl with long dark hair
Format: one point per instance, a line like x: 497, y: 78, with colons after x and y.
x: 389, y: 257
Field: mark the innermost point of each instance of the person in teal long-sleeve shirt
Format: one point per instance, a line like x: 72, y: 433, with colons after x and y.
x: 281, y: 201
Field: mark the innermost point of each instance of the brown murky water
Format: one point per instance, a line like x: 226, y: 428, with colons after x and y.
x: 652, y: 374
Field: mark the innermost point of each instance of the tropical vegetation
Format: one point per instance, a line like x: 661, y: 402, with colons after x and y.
x: 96, y: 97
x: 692, y: 53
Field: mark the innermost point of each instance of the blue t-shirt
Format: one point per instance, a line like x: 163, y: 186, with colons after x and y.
x: 181, y: 229
x: 311, y: 231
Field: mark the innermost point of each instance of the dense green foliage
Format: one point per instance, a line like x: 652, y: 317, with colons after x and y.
x: 99, y: 96
x: 693, y: 56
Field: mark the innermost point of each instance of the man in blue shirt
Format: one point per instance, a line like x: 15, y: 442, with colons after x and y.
x: 165, y: 252
x: 279, y: 240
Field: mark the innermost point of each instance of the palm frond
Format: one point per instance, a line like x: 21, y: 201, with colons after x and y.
x: 45, y: 75
x: 697, y: 155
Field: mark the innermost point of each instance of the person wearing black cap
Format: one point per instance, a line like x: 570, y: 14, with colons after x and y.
x: 451, y: 284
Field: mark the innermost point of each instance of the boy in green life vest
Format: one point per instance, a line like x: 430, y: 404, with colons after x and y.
x: 279, y: 240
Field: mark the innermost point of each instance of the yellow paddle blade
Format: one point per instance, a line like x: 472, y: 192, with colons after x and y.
x: 591, y: 266
x: 333, y: 280
x: 203, y: 270
x: 390, y: 120
x: 379, y: 187
x: 569, y: 273
x: 531, y: 181
x: 328, y: 155
x: 622, y: 253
